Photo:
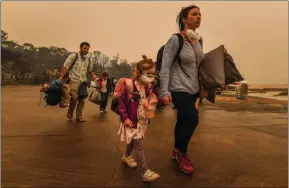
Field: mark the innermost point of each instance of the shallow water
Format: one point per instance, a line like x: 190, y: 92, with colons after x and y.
x: 269, y: 95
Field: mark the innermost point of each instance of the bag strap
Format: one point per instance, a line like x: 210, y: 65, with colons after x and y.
x: 181, y: 44
x: 130, y: 87
x: 177, y: 57
x: 150, y: 88
x: 76, y: 54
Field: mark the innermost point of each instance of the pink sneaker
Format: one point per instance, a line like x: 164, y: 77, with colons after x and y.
x: 185, y: 163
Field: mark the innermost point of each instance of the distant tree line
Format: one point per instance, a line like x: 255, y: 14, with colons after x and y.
x: 27, y: 64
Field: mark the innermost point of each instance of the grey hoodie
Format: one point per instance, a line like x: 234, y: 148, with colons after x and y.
x: 172, y: 78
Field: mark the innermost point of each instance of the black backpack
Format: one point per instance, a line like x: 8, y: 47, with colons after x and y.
x: 53, y: 93
x: 52, y: 98
x: 160, y: 57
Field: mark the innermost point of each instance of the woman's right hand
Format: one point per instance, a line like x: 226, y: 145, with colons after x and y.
x: 128, y: 123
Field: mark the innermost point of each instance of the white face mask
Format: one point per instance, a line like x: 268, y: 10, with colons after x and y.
x: 146, y: 79
x: 192, y: 35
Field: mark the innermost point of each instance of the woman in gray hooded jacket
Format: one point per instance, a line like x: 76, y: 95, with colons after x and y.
x: 179, y: 82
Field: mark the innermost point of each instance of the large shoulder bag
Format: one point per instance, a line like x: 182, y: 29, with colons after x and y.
x: 203, y: 92
x: 95, y: 97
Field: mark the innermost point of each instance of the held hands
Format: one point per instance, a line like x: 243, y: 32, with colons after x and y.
x: 167, y: 100
x: 128, y: 123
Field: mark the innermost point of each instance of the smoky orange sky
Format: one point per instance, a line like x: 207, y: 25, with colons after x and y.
x: 255, y: 33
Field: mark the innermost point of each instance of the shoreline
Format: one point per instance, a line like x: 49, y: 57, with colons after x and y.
x: 251, y: 99
x: 252, y: 104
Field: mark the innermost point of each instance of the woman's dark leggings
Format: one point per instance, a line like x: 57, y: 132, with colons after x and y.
x: 187, y: 119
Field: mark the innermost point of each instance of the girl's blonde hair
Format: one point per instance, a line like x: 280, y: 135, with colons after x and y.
x: 144, y: 64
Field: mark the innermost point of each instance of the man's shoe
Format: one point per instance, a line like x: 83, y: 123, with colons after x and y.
x: 69, y: 116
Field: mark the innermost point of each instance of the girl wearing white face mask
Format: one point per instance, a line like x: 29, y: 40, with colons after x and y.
x: 135, y: 113
x: 147, y: 78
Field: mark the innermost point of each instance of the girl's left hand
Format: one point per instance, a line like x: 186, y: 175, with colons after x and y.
x: 128, y: 123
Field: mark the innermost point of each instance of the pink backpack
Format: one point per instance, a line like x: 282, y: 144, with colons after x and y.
x: 121, y: 85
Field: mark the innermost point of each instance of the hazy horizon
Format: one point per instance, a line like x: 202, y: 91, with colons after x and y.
x: 255, y: 33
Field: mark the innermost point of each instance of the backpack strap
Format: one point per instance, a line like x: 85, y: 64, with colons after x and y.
x: 159, y: 58
x: 150, y: 90
x: 76, y: 54
x: 181, y: 44
x: 177, y: 57
x: 130, y: 87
